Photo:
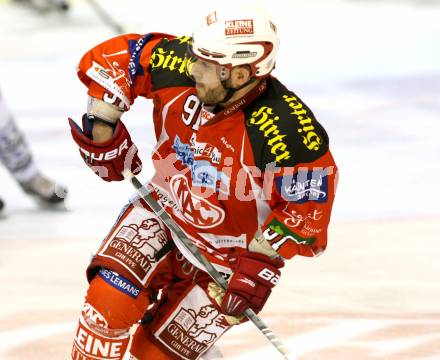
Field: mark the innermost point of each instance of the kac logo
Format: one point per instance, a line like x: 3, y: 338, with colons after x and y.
x: 194, y: 209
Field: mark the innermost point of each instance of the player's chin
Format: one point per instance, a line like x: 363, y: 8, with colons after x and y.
x: 210, y: 96
x: 203, y: 94
x: 201, y: 89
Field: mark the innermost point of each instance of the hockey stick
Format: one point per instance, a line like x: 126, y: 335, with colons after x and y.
x: 105, y: 17
x: 209, y: 268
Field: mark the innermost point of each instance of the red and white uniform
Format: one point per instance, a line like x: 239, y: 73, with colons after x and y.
x: 261, y: 165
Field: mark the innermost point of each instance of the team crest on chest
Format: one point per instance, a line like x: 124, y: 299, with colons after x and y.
x: 195, y: 209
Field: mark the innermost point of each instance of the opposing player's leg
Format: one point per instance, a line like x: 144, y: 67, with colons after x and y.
x: 43, y: 6
x: 16, y: 156
x: 46, y: 191
x: 14, y: 152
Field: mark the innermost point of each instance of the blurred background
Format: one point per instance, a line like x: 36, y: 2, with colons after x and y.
x: 370, y: 71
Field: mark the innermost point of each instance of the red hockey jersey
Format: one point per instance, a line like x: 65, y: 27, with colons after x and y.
x: 262, y: 164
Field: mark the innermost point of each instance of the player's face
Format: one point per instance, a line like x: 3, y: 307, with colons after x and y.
x: 208, y: 84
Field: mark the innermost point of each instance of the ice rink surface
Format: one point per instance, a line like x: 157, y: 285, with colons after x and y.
x: 370, y: 71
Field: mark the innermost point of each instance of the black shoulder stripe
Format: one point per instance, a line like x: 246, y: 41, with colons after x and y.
x: 282, y: 129
x: 168, y: 64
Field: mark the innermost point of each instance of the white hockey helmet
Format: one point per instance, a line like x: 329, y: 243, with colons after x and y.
x: 237, y: 36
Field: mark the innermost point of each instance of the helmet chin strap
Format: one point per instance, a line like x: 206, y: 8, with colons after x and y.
x: 231, y: 91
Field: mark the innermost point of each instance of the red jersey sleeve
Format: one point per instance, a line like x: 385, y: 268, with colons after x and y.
x: 116, y: 70
x: 302, y: 199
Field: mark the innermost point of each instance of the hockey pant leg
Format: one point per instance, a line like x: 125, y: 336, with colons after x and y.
x: 128, y: 269
x: 187, y: 322
x: 183, y: 324
x: 106, y: 319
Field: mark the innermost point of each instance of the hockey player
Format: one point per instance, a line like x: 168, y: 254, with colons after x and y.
x: 44, y: 6
x: 15, y: 155
x: 241, y: 164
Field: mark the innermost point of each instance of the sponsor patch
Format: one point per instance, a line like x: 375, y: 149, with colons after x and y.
x: 91, y: 345
x: 278, y: 227
x: 244, y: 54
x: 167, y: 59
x: 205, y: 150
x: 295, y: 219
x: 222, y: 241
x: 305, y: 185
x: 193, y: 327
x: 166, y: 199
x: 119, y: 282
x: 135, y: 244
x: 205, y: 116
x: 89, y: 312
x: 239, y: 27
x: 101, y: 76
x: 307, y: 224
x: 284, y: 241
x: 266, y: 121
x: 135, y: 49
x: 305, y: 122
x: 199, y: 157
x: 211, y: 18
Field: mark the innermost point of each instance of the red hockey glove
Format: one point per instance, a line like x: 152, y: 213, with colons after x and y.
x: 107, y: 159
x: 251, y: 284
